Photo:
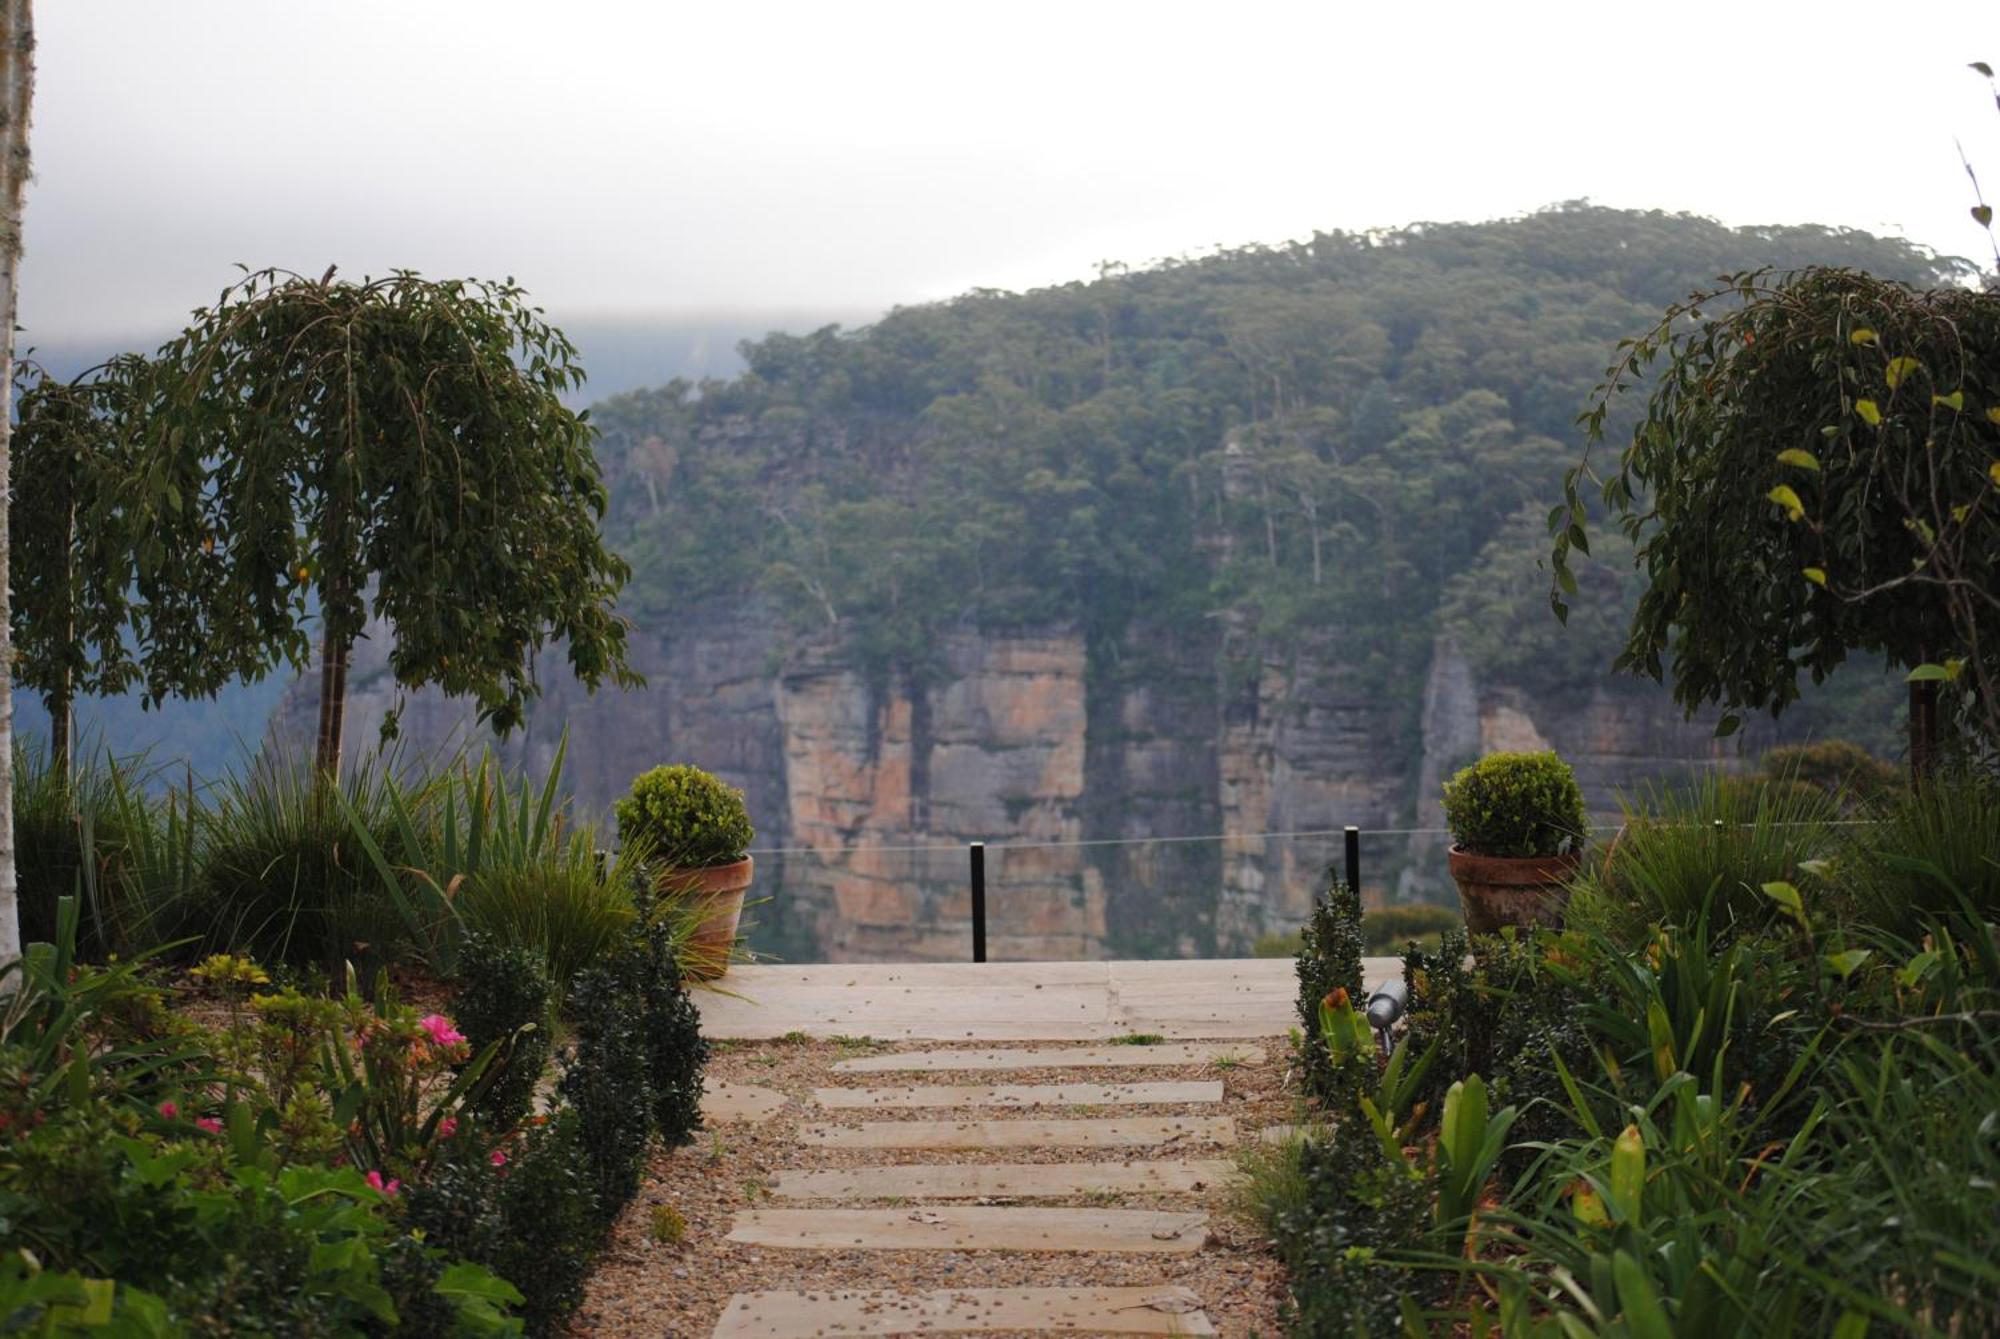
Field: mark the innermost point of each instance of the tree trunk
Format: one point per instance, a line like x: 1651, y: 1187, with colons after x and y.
x: 1923, y: 731
x: 62, y: 702
x: 332, y: 704
x: 17, y: 88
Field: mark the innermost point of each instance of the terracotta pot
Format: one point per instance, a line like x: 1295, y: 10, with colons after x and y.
x: 1497, y: 890
x: 718, y: 891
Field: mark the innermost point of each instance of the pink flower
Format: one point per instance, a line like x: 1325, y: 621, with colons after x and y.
x: 441, y: 1031
x: 210, y: 1124
x: 388, y: 1188
x: 499, y: 1158
x: 447, y: 1127
x: 170, y: 1110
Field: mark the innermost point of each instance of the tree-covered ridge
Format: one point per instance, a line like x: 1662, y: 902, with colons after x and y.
x: 1324, y: 434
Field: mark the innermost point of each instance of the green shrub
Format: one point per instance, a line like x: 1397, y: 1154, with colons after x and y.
x: 552, y: 1221
x: 1329, y: 960
x: 605, y: 1078
x: 670, y: 1023
x: 685, y: 817
x: 1710, y: 845
x: 87, y: 836
x: 561, y: 908
x: 1930, y: 853
x: 1516, y: 804
x: 1356, y: 1205
x: 1843, y: 770
x: 283, y: 876
x: 1388, y: 929
x: 533, y: 1219
x: 503, y: 996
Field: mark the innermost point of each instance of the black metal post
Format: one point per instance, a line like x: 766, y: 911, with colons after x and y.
x: 979, y: 901
x: 1352, y: 835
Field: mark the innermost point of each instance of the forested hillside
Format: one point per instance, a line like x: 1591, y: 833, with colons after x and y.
x: 1324, y: 435
x: 1225, y: 547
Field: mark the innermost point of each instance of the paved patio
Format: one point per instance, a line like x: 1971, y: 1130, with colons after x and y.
x: 1012, y: 1001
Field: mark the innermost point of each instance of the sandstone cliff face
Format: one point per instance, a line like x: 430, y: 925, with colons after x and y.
x: 1124, y: 790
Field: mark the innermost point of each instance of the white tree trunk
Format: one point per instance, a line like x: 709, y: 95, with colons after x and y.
x: 17, y: 89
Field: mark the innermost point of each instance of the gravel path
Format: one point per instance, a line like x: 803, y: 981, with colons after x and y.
x: 653, y: 1288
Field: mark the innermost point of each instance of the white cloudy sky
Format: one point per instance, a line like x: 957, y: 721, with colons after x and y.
x: 653, y: 156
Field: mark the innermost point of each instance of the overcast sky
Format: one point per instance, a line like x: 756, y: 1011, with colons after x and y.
x: 658, y: 157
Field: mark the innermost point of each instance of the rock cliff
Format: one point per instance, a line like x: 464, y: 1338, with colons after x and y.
x: 1125, y: 790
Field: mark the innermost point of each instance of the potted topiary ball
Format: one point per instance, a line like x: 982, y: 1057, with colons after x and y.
x: 1518, y: 828
x: 698, y: 833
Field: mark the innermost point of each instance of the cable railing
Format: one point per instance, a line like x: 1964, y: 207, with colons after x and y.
x: 1056, y: 898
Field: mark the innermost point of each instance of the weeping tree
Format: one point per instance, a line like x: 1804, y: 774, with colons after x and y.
x: 1814, y: 475
x: 73, y: 526
x: 398, y: 448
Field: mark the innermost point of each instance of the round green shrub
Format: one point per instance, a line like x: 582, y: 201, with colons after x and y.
x: 686, y: 817
x: 1516, y: 804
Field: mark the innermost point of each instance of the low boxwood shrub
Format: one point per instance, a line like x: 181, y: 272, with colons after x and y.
x: 1357, y: 1205
x: 605, y: 1078
x: 675, y: 1049
x: 531, y: 1215
x: 503, y: 996
x: 1329, y: 959
x: 685, y: 817
x: 1516, y: 804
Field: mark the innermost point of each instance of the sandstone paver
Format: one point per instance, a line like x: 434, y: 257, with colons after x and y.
x: 975, y: 1228
x: 1021, y: 1095
x: 1119, y: 1132
x: 1019, y: 1180
x: 1158, y: 1056
x: 807, y: 1315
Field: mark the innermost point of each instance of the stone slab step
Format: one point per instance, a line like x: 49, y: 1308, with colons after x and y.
x: 740, y: 1103
x: 1121, y: 1132
x: 982, y: 1180
x: 810, y: 1315
x: 973, y: 1228
x: 1066, y: 1057
x: 1021, y: 1095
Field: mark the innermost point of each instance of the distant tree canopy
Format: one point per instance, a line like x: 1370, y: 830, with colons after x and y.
x: 1326, y: 434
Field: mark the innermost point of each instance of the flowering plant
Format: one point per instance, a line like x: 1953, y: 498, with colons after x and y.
x: 389, y: 1071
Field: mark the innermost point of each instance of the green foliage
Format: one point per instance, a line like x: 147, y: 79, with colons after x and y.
x: 1359, y: 1206
x: 1930, y: 854
x: 1385, y: 930
x: 85, y: 835
x: 503, y: 1000
x: 1321, y: 434
x: 1329, y: 960
x: 1516, y: 804
x: 172, y: 1223
x: 1837, y: 766
x: 564, y: 909
x: 283, y: 874
x: 669, y: 1022
x: 72, y: 527
x: 606, y: 1079
x: 1840, y: 428
x: 1707, y: 847
x: 533, y: 1219
x: 397, y: 447
x: 685, y: 817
